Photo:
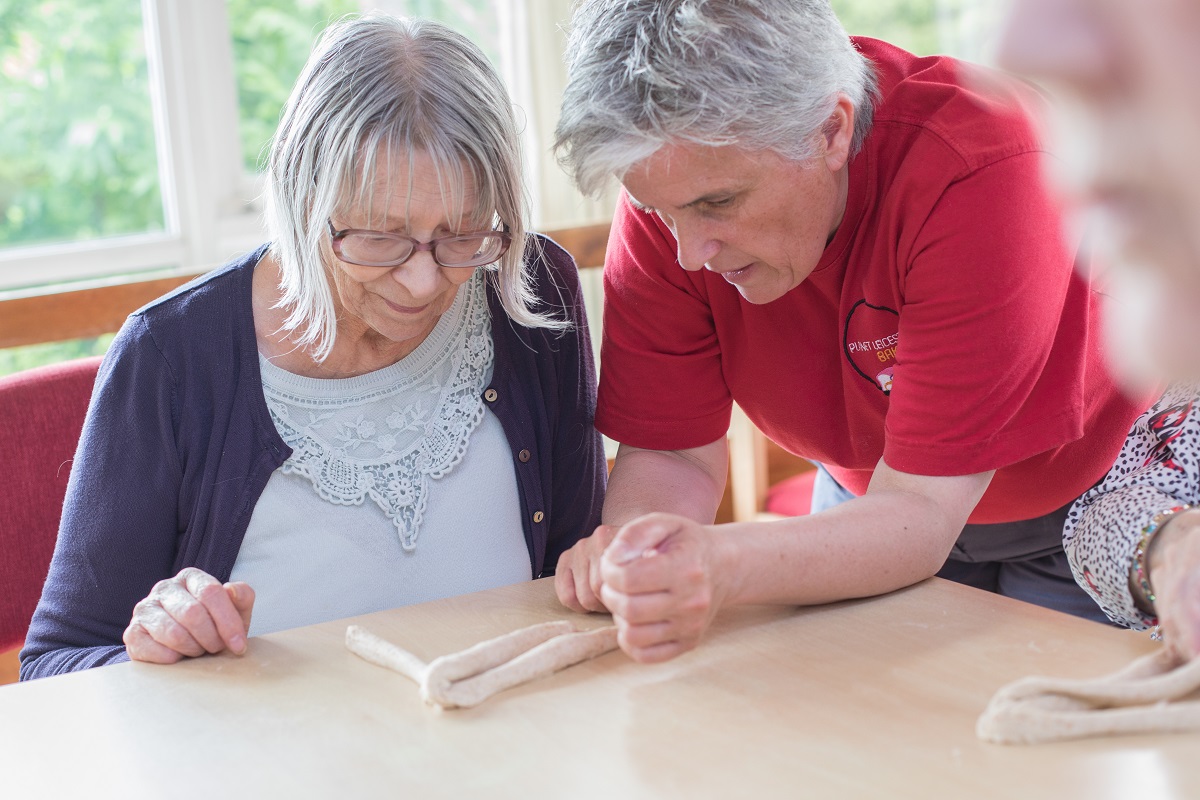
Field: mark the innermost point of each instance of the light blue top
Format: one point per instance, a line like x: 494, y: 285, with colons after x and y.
x: 400, y: 488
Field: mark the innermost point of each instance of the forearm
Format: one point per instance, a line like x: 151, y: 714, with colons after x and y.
x: 1173, y: 550
x: 687, y: 483
x: 1174, y: 561
x: 666, y: 576
x: 867, y: 546
x: 120, y: 515
x: 68, y: 659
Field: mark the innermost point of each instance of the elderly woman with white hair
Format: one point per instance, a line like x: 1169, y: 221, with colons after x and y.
x: 391, y: 402
x: 858, y: 247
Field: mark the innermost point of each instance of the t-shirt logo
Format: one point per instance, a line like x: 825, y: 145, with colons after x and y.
x: 869, y: 341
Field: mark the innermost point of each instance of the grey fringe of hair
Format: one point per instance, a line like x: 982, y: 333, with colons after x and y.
x: 376, y: 90
x: 758, y: 74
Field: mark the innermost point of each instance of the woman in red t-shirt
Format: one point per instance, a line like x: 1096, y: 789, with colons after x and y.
x: 857, y: 246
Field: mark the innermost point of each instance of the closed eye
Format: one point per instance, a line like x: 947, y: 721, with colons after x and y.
x: 716, y: 205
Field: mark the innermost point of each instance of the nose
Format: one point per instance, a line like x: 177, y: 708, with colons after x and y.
x: 695, y: 245
x: 420, y: 276
x: 1061, y: 41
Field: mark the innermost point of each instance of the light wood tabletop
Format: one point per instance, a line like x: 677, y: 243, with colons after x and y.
x: 868, y: 699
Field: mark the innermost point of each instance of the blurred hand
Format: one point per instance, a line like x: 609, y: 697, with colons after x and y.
x: 1175, y: 573
x: 661, y: 581
x: 577, y: 576
x: 189, y: 615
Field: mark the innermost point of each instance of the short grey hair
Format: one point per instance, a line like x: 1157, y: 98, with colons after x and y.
x: 376, y: 90
x: 759, y: 74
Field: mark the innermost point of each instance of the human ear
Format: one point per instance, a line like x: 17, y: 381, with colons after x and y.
x: 838, y: 133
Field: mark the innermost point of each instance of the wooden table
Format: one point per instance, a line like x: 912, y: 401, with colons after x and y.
x: 867, y: 699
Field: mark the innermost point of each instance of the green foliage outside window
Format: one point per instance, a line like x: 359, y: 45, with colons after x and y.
x: 77, y: 148
x: 925, y: 27
x: 911, y: 24
x: 271, y: 42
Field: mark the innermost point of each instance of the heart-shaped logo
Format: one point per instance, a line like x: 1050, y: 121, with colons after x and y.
x: 869, y: 341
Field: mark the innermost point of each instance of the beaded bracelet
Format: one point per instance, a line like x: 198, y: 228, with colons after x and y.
x: 1140, y: 566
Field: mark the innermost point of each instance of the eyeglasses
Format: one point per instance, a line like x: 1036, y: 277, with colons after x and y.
x: 379, y: 249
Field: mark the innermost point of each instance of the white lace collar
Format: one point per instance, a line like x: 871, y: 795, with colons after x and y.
x: 385, y: 434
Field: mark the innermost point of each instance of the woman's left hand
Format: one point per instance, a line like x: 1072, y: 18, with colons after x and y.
x: 187, y: 616
x: 1175, y: 574
x: 662, y: 581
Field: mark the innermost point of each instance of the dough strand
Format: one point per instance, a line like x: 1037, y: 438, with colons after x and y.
x: 370, y: 647
x: 469, y: 677
x: 493, y: 652
x: 1147, y: 696
x: 545, y: 659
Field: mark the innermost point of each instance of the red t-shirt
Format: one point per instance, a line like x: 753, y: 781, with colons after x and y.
x: 944, y: 329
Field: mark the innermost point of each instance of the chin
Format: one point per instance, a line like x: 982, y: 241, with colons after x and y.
x: 1152, y: 329
x: 1177, y: 341
x: 759, y: 297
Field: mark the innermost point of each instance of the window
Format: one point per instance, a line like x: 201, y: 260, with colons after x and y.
x: 133, y: 133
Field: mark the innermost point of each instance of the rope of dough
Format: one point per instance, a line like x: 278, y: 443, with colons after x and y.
x: 370, y: 647
x: 455, y: 666
x: 1144, y: 697
x: 467, y: 678
x: 492, y: 653
x: 546, y: 658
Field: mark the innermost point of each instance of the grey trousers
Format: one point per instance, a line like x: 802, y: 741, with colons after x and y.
x: 1023, y: 560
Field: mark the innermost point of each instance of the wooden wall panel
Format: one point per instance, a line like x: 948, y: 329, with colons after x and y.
x: 77, y: 315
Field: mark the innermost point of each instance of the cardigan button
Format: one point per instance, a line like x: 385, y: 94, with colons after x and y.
x: 490, y: 395
x: 538, y: 517
x: 524, y: 456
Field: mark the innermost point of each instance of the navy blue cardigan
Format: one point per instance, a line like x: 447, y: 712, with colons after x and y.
x: 178, y: 446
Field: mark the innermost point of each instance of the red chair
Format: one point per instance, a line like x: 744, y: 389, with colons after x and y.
x: 792, y: 497
x: 41, y: 415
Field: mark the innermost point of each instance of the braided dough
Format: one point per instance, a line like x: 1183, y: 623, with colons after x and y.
x: 1145, y: 697
x: 467, y: 678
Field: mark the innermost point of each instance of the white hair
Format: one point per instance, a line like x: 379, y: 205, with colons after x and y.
x: 759, y: 74
x: 375, y: 91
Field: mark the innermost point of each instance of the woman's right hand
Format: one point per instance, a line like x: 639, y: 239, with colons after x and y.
x: 1175, y: 574
x: 187, y: 616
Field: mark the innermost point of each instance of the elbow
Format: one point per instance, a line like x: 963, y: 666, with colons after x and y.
x: 31, y: 666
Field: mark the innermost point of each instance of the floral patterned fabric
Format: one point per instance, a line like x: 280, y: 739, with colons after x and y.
x: 1158, y: 468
